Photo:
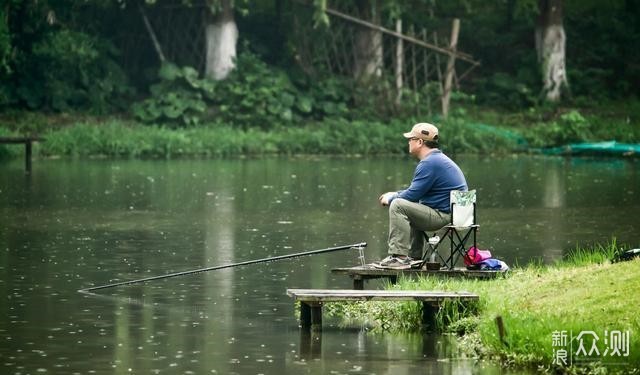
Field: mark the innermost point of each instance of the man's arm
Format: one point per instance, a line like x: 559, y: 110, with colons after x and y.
x: 422, y: 182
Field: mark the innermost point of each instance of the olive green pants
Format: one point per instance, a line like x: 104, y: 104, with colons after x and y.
x: 407, y: 222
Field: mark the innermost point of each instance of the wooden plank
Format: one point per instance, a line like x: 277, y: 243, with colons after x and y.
x: 372, y: 272
x: 312, y: 300
x: 360, y: 274
x: 333, y: 295
x: 19, y: 139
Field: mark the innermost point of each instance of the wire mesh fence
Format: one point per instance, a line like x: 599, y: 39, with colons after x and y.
x: 401, y: 64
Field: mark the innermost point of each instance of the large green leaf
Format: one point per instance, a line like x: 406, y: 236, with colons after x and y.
x: 169, y: 71
x: 304, y: 104
x: 172, y: 111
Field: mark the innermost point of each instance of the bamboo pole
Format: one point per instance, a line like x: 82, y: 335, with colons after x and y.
x: 460, y: 55
x: 152, y: 34
x: 446, y: 95
x: 414, y: 73
x: 438, y: 67
x: 336, y: 52
x: 399, y: 63
x: 425, y: 67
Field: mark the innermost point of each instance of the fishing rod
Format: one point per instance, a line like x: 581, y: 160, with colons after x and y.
x: 191, y: 272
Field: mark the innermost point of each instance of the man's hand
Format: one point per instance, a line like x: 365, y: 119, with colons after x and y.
x: 386, y: 197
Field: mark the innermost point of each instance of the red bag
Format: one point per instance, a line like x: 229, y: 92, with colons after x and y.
x: 475, y: 256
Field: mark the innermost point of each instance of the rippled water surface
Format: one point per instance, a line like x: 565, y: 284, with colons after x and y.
x: 77, y: 224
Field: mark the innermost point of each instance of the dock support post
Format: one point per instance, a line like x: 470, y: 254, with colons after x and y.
x: 429, y: 316
x: 305, y: 315
x: 358, y: 283
x: 27, y: 155
x: 316, y: 317
x: 311, y: 316
x: 310, y: 345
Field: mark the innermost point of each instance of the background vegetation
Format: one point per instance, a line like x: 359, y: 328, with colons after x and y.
x: 64, y: 75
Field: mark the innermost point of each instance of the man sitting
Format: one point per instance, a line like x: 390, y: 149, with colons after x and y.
x: 425, y: 205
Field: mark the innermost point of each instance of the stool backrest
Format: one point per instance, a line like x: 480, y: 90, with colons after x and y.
x: 463, y: 207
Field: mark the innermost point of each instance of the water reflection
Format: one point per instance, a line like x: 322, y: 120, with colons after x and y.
x: 76, y: 224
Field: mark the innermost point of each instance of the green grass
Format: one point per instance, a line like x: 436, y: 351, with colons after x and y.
x: 119, y: 138
x: 585, y: 292
x: 471, y: 130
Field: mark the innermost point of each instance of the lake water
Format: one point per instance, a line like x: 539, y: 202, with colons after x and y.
x: 77, y: 224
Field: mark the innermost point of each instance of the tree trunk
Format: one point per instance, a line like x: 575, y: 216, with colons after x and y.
x: 368, y: 43
x: 221, y: 38
x: 550, y: 45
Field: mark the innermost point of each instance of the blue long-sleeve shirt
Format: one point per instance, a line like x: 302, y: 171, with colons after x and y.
x: 433, y: 180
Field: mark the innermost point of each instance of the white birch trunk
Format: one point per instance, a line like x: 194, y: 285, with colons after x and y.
x: 550, y: 46
x: 553, y: 62
x: 221, y: 38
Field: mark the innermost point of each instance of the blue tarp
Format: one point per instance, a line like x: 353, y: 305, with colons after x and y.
x: 611, y: 148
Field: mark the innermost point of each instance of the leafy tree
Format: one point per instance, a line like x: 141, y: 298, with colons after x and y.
x: 58, y: 61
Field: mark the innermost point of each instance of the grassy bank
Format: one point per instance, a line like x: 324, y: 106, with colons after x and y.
x: 585, y: 292
x: 117, y: 138
x: 470, y: 130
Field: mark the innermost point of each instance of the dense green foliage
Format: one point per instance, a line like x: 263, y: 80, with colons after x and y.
x: 64, y: 55
x: 600, y: 62
x: 72, y: 70
x: 80, y: 58
x: 254, y: 95
x: 47, y: 63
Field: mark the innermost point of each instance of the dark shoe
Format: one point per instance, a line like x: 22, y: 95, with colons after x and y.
x: 394, y: 262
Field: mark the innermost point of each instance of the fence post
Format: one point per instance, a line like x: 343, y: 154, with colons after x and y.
x: 446, y: 95
x: 399, y: 61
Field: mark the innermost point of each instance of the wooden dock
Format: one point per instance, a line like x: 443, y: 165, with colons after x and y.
x: 27, y: 142
x: 360, y: 274
x: 312, y: 300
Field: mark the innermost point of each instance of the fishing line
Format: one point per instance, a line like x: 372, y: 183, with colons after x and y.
x: 191, y: 272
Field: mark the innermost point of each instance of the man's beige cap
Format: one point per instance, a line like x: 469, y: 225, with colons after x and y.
x: 424, y: 131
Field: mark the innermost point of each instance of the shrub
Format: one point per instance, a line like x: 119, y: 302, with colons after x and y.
x: 569, y: 127
x: 72, y: 70
x: 253, y: 96
x: 177, y: 99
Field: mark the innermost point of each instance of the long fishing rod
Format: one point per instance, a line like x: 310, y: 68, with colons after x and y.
x: 190, y: 272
